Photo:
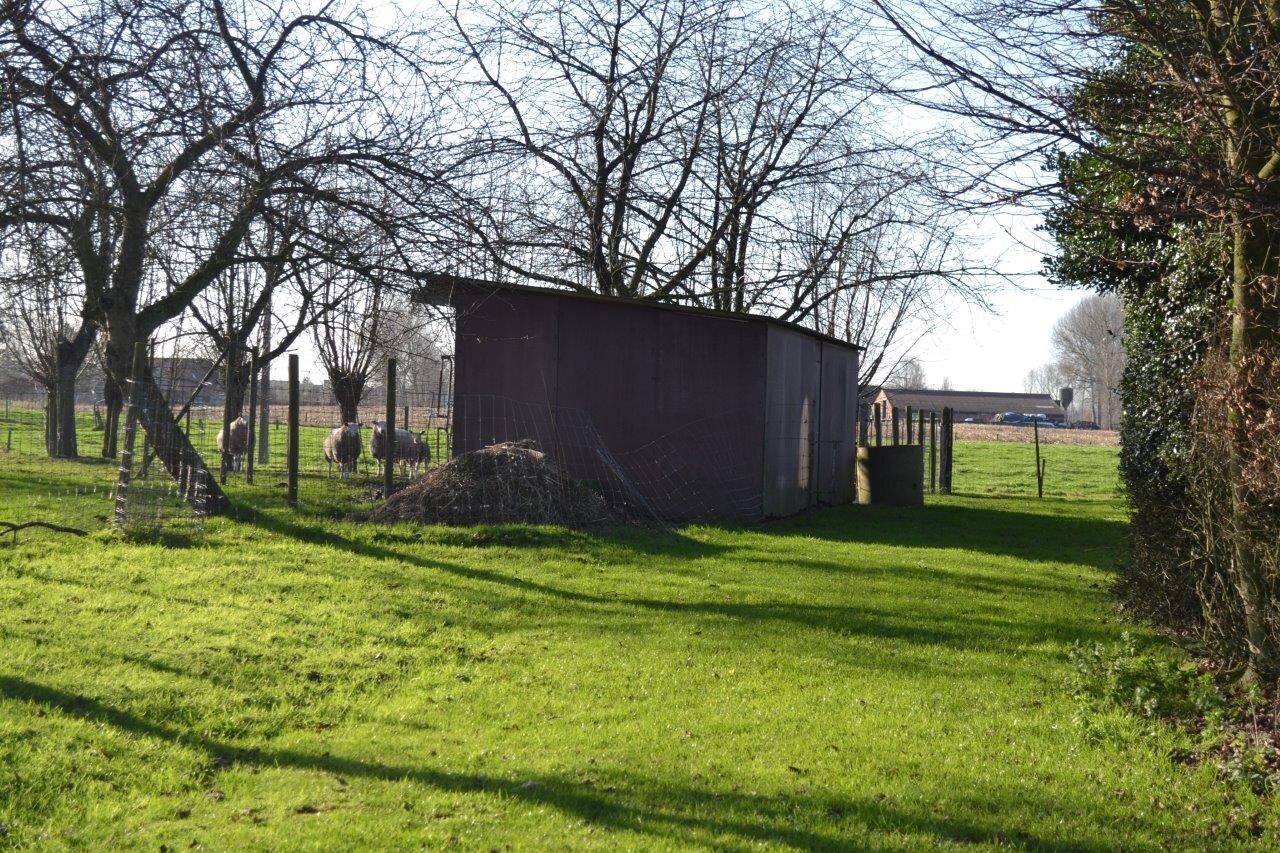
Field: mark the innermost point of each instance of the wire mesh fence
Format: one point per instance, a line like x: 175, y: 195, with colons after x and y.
x: 466, y: 460
x: 932, y: 431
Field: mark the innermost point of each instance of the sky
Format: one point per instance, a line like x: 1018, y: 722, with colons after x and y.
x: 993, y: 350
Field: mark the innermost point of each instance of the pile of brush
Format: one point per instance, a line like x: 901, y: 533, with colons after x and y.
x: 508, y: 483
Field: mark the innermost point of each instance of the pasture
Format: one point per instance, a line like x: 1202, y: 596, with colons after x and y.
x: 857, y: 677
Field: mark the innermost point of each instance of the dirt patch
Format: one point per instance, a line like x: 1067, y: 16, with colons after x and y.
x: 508, y: 483
x: 999, y: 432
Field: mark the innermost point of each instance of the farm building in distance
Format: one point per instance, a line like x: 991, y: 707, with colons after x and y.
x: 179, y: 378
x: 705, y: 413
x: 980, y: 406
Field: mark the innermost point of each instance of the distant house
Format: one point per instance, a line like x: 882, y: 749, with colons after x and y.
x: 179, y: 378
x: 978, y: 406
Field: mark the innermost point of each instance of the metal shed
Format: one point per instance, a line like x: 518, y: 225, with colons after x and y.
x: 707, y: 413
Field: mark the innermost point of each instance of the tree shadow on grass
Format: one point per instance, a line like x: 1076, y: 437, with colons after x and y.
x: 1037, y: 536
x: 678, y: 814
x: 957, y: 628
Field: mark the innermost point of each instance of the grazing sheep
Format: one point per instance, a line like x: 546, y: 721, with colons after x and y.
x: 411, y: 448
x: 343, y: 447
x: 239, y: 442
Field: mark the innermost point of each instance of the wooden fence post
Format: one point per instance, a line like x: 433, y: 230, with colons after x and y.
x: 253, y: 415
x: 907, y: 424
x: 264, y: 413
x: 292, y: 456
x: 389, y: 435
x: 879, y: 423
x: 947, y: 451
x: 933, y: 451
x: 130, y: 430
x: 224, y: 457
x: 1035, y: 428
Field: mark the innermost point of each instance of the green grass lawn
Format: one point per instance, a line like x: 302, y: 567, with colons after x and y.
x: 858, y: 677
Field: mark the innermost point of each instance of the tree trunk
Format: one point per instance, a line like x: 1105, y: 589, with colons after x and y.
x: 71, y: 356
x: 1254, y: 329
x: 112, y: 403
x: 51, y: 420
x: 239, y: 385
x: 264, y: 391
x: 117, y: 362
x: 348, y: 388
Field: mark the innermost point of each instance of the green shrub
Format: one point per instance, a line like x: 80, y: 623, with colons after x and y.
x: 1151, y: 686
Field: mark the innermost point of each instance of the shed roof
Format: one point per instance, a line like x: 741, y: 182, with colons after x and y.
x: 440, y: 288
x: 926, y: 399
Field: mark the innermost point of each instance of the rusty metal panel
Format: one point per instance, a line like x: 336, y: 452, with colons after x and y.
x: 792, y: 392
x: 838, y: 420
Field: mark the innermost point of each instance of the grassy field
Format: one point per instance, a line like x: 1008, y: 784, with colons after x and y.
x: 857, y: 677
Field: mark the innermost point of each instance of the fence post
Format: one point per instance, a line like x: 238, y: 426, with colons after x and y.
x: 224, y: 456
x: 264, y: 415
x: 130, y: 430
x: 893, y: 422
x: 948, y: 448
x: 389, y: 434
x: 933, y: 451
x: 292, y: 456
x: 907, y: 423
x: 879, y: 425
x: 920, y: 431
x: 1035, y: 428
x: 253, y: 415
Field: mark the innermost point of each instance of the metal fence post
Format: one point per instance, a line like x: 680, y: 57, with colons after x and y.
x: 389, y: 434
x: 292, y: 456
x: 130, y: 431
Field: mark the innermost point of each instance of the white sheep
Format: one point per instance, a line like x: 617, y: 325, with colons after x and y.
x: 239, y: 442
x: 411, y: 452
x: 342, y: 446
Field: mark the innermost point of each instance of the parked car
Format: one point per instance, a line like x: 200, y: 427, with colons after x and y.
x: 1008, y: 418
x: 1086, y: 425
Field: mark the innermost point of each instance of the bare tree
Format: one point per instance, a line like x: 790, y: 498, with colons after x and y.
x: 168, y: 103
x: 1089, y: 343
x: 907, y: 373
x: 717, y: 154
x: 41, y: 333
x: 362, y: 322
x: 1046, y: 379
